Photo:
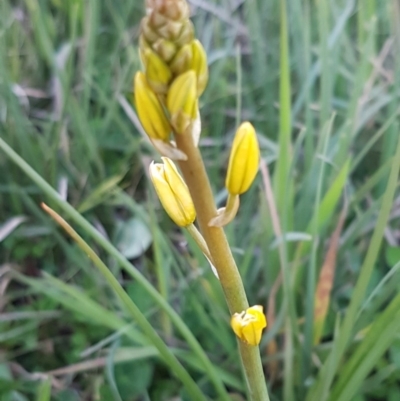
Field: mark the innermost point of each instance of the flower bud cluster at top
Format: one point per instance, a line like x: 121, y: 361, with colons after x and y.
x: 175, y: 70
x: 166, y: 97
x: 168, y: 47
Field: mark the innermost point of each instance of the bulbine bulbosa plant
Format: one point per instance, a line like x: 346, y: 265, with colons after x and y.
x: 166, y: 96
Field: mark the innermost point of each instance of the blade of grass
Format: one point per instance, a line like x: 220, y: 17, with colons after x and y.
x: 283, y: 190
x: 44, y: 391
x: 315, y: 69
x: 389, y: 140
x: 320, y: 390
x: 162, y: 271
x: 367, y: 147
x: 77, y: 301
x: 366, y: 11
x: 392, y: 272
x: 91, y: 28
x: 325, y: 281
x: 108, y: 247
x: 326, y: 68
x: 309, y: 141
x: 169, y: 358
x: 311, y: 270
x: 110, y: 370
x: 326, y: 209
x: 371, y: 183
x: 378, y: 339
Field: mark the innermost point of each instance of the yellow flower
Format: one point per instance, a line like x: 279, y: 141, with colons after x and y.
x: 182, y: 101
x: 249, y: 324
x: 150, y: 110
x: 243, y: 161
x: 173, y: 192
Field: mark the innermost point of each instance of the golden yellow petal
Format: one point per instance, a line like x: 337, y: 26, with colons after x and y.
x: 158, y: 73
x: 166, y: 196
x: 180, y: 190
x: 199, y: 64
x: 252, y: 334
x: 236, y: 324
x: 149, y: 109
x: 182, y: 101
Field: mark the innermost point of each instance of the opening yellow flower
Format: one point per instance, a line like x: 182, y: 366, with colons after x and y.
x: 173, y: 192
x: 249, y: 324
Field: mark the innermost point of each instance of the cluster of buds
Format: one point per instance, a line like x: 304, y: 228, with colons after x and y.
x: 166, y: 94
x: 175, y: 75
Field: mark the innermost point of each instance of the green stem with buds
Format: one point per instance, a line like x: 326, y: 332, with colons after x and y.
x: 196, y: 179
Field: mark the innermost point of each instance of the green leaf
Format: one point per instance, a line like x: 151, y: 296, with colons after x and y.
x: 332, y: 196
x: 378, y: 339
x: 100, y: 193
x: 392, y: 255
x: 44, y: 391
x: 132, y: 237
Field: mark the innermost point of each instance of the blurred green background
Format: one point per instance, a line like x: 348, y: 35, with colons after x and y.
x: 326, y: 113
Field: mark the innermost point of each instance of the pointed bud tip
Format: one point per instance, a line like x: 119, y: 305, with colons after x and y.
x: 244, y: 160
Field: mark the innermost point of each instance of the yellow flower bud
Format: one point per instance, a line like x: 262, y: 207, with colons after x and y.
x: 158, y: 73
x: 199, y: 65
x: 147, y: 31
x: 243, y: 161
x: 181, y: 61
x: 176, y: 10
x: 173, y: 192
x: 249, y: 324
x: 150, y: 110
x: 192, y: 57
x: 182, y: 101
x: 186, y: 35
x: 165, y: 48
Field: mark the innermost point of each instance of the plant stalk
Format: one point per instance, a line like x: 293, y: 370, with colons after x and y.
x: 196, y: 179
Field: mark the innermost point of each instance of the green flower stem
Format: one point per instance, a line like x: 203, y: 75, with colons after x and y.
x: 199, y: 186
